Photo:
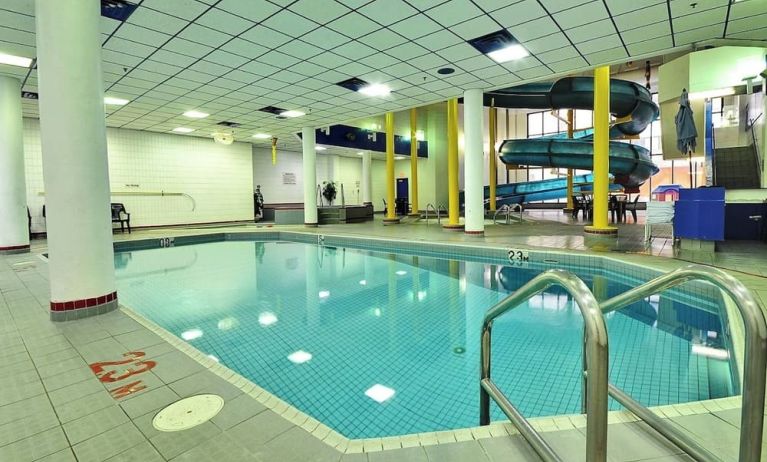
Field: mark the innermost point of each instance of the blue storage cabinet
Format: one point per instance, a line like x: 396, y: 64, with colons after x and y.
x: 699, y: 214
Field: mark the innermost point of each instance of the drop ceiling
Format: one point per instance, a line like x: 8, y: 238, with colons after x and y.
x: 229, y: 58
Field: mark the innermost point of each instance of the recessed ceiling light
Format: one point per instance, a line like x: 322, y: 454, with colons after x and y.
x: 375, y: 89
x: 183, y: 130
x: 320, y: 148
x: 509, y: 53
x: 15, y: 60
x: 196, y: 114
x: 112, y: 101
x: 500, y: 46
x: 291, y: 113
x: 262, y: 136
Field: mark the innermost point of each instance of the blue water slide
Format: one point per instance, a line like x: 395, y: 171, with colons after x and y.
x: 532, y: 191
x: 630, y: 165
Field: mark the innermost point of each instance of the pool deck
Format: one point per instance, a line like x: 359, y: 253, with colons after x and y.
x: 53, y: 407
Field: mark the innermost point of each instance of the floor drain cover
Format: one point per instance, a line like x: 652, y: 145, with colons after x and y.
x: 188, y: 413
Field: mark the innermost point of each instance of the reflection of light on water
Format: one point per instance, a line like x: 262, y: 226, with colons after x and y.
x: 299, y: 357
x: 421, y: 295
x: 267, y: 318
x: 191, y: 334
x: 400, y: 273
x: 363, y: 282
x: 710, y: 352
x: 228, y: 323
x: 377, y: 311
x: 324, y: 294
x: 462, y: 283
x: 379, y: 393
x: 213, y: 358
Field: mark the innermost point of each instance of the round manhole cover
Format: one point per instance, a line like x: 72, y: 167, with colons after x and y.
x: 188, y: 413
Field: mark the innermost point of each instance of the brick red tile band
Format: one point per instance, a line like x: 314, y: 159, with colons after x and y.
x: 84, y: 303
x: 14, y: 247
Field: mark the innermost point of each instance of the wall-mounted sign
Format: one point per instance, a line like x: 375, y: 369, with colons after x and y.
x: 288, y: 178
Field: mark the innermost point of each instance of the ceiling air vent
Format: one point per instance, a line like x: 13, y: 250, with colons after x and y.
x: 272, y: 110
x: 493, y: 41
x: 229, y: 124
x: 353, y: 84
x: 119, y: 10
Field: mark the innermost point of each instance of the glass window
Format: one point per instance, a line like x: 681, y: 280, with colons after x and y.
x: 583, y: 119
x: 550, y: 123
x: 534, y: 124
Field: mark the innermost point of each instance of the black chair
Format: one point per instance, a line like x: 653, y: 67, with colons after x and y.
x: 120, y: 215
x: 578, y: 205
x: 632, y: 207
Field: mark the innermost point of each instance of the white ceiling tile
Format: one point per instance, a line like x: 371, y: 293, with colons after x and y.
x: 746, y: 8
x: 383, y: 39
x: 584, y: 14
x: 277, y: 59
x: 428, y: 61
x: 519, y: 64
x: 287, y: 76
x: 458, y: 52
x: 321, y: 11
x: 307, y: 68
x: 242, y: 76
x: 606, y: 56
x: 186, y: 9
x: 640, y: 34
x: 129, y: 47
x: 407, y: 51
x: 253, y: 10
x: 491, y: 71
x: 170, y: 57
x: 747, y: 24
x: 354, y: 50
x: 600, y: 44
x: 591, y: 31
x: 453, y: 12
x: 569, y: 64
x: 401, y: 70
x: 329, y: 60
x: 650, y: 46
x: 210, y: 68
x: 290, y: 23
x: 226, y: 59
x: 474, y: 28
x: 204, y: 35
x: 698, y: 20
x: 415, y: 26
x: 300, y: 49
x: 325, y: 38
x: 353, y: 69
x: 265, y: 37
x: 439, y: 40
x: 547, y: 43
x: 558, y: 54
x: 534, y: 72
x: 644, y: 16
x: 558, y: 5
x: 223, y: 21
x: 259, y: 68
x: 679, y: 8
x: 756, y: 34
x: 156, y: 20
x: 185, y: 47
x: 159, y: 67
x: 379, y: 60
x: 353, y: 25
x: 519, y: 13
x: 387, y: 12
x: 698, y: 35
x: 244, y: 48
x: 474, y: 63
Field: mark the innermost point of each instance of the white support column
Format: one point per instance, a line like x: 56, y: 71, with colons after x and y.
x: 764, y: 134
x: 14, y: 231
x: 76, y: 175
x: 367, y: 195
x: 310, y: 177
x: 474, y: 207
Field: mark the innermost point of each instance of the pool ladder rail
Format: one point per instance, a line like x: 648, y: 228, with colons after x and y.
x: 596, y: 387
x: 436, y: 210
x: 507, y: 210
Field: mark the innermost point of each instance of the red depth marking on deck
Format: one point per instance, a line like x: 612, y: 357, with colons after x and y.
x: 111, y: 371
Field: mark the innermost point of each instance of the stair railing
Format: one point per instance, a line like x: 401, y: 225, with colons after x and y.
x: 755, y: 144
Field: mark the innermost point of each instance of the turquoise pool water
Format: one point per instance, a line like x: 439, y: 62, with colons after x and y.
x: 377, y: 344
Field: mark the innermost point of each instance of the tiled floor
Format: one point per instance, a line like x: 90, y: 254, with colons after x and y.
x: 53, y: 407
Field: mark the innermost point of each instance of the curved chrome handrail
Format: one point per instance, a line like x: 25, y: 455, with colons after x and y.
x: 503, y: 208
x: 755, y: 361
x: 430, y: 207
x: 595, y: 346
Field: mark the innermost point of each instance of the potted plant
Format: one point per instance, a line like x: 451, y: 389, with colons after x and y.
x: 329, y: 191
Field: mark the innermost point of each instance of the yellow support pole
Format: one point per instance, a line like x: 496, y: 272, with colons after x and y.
x: 453, y: 212
x: 391, y: 217
x: 413, y: 163
x: 601, y: 152
x: 570, y: 205
x: 493, y: 170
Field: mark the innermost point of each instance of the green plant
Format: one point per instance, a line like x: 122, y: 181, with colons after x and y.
x: 329, y: 191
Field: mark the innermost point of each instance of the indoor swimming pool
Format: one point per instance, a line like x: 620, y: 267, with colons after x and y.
x: 378, y: 344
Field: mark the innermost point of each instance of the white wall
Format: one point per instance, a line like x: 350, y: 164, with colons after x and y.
x: 217, y: 179
x: 342, y: 170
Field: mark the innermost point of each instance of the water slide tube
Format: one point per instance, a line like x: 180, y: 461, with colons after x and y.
x: 630, y: 164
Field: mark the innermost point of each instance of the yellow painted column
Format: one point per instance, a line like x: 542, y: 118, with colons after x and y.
x: 601, y: 152
x: 570, y: 205
x: 493, y: 169
x: 413, y: 163
x: 453, y: 211
x: 391, y: 217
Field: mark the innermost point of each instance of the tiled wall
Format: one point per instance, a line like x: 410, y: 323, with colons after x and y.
x: 346, y: 170
x: 216, y: 179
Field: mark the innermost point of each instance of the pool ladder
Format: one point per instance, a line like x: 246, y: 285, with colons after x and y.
x: 507, y: 211
x: 596, y: 387
x: 437, y: 211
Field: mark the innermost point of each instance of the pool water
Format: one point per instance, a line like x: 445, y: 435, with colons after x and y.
x: 376, y: 344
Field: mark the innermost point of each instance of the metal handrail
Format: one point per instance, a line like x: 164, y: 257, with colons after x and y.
x: 759, y: 160
x: 436, y: 212
x: 504, y: 208
x: 595, y: 357
x: 755, y: 360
